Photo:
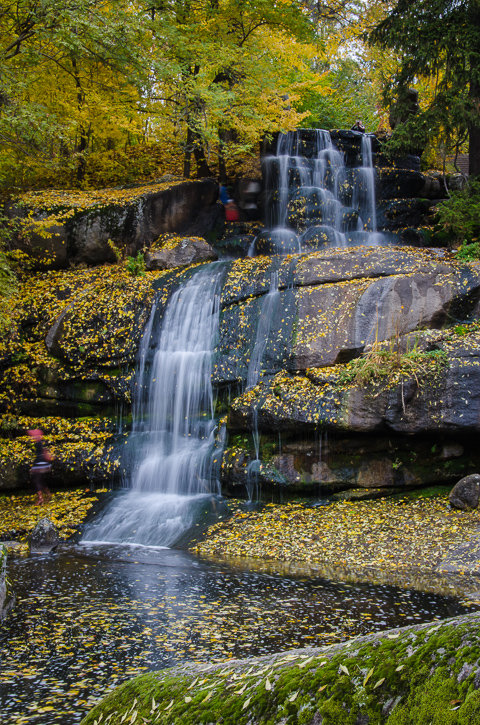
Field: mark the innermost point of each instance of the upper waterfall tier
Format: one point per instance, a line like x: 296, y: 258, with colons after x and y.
x: 312, y: 199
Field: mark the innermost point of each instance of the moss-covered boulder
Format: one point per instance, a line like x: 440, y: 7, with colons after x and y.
x: 421, y: 674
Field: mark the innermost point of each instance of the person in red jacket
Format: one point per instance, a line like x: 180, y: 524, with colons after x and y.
x: 41, y: 466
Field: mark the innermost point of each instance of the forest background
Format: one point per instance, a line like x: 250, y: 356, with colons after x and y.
x: 98, y: 93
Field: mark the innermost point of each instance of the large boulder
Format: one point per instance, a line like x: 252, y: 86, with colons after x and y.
x: 421, y: 673
x: 332, y: 305
x: 465, y: 495
x: 439, y: 394
x: 179, y: 252
x: 60, y: 228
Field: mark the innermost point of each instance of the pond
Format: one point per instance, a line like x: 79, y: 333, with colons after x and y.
x: 90, y: 616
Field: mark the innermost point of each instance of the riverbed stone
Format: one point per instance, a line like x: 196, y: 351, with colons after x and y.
x: 465, y: 495
x: 44, y: 536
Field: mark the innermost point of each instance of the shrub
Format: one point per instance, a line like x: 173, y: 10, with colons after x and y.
x: 136, y: 265
x: 460, y: 218
x: 386, y: 361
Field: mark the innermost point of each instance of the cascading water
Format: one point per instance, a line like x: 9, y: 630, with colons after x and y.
x: 173, y: 437
x: 269, y: 304
x: 312, y: 200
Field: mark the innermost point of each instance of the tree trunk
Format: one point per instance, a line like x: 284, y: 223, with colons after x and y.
x: 474, y: 94
x: 187, y: 156
x: 474, y: 131
x: 203, y: 168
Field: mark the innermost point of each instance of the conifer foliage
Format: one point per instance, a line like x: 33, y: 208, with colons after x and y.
x: 438, y: 40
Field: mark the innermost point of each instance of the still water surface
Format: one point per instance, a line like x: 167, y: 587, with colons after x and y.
x: 90, y: 616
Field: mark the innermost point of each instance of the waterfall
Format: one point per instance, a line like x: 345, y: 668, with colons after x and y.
x: 173, y: 437
x: 270, y: 303
x: 313, y: 200
x: 174, y: 452
x: 366, y: 185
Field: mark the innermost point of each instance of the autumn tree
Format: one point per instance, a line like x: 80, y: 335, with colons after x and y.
x: 225, y: 70
x: 70, y: 76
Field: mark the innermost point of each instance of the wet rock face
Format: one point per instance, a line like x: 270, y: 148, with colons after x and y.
x: 332, y: 306
x: 465, y: 495
x: 378, y: 304
x: 323, y: 465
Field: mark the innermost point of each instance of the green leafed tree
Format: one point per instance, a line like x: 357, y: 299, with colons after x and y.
x: 437, y: 40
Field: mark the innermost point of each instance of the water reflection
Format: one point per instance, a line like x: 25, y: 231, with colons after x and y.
x: 91, y: 616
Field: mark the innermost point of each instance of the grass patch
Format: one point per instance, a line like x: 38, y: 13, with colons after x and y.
x: 387, y: 361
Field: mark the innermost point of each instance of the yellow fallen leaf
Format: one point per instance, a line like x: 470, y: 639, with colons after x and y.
x: 367, y: 676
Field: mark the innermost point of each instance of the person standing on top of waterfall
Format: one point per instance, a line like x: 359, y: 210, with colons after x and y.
x: 358, y: 126
x: 41, y: 466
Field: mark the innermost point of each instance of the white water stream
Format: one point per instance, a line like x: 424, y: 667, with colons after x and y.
x: 315, y: 202
x: 173, y: 437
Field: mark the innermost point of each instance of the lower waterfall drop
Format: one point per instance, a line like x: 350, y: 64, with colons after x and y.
x: 173, y: 437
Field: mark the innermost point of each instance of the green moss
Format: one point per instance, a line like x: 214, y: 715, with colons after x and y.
x: 408, y: 677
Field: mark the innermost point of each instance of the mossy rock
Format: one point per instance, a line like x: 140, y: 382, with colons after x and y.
x: 421, y: 674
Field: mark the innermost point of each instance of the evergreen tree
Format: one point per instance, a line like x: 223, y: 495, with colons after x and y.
x: 438, y: 40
